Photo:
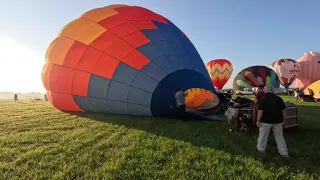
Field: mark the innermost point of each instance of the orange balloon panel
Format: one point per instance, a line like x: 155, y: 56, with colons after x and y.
x: 194, y: 95
x: 58, y: 50
x: 201, y: 99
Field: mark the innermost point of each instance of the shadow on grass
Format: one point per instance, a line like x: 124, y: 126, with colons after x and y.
x: 303, y: 141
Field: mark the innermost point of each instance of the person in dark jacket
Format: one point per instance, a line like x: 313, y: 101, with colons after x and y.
x: 271, y: 115
x: 228, y: 96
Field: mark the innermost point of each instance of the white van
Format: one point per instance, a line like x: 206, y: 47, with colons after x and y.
x: 246, y: 91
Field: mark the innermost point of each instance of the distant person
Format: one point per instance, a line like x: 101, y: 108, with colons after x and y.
x: 271, y: 115
x: 222, y: 97
x: 290, y: 91
x: 180, y: 97
x: 15, y: 97
x: 309, y: 97
x: 311, y: 93
x: 45, y: 97
x: 301, y: 95
x: 259, y: 94
x: 228, y: 95
x: 296, y: 94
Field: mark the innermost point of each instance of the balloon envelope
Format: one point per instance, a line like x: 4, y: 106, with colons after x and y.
x: 201, y: 99
x: 219, y: 71
x: 254, y: 76
x: 315, y: 88
x: 121, y: 59
x: 309, y: 69
x: 287, y: 70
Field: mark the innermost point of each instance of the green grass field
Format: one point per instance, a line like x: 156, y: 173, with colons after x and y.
x: 40, y: 142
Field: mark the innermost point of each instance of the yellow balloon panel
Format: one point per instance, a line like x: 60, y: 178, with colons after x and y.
x: 58, y: 50
x: 99, y: 14
x: 220, y: 76
x: 315, y: 88
x: 225, y: 68
x: 91, y: 34
x: 75, y: 28
x: 117, y: 6
x: 82, y: 30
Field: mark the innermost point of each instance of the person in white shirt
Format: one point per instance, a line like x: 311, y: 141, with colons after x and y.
x: 180, y: 97
x: 296, y: 94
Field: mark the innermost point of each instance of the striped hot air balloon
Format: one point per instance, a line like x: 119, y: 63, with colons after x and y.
x: 219, y: 71
x: 254, y: 76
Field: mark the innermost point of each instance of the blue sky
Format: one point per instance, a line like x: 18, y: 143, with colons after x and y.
x: 246, y: 32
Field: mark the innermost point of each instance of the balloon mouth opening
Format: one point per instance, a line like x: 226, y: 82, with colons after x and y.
x: 201, y: 99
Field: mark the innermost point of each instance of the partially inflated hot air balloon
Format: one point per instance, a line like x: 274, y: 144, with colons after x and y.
x: 121, y: 59
x: 309, y: 69
x: 254, y: 76
x: 201, y: 99
x: 219, y: 71
x: 315, y: 88
x: 287, y: 71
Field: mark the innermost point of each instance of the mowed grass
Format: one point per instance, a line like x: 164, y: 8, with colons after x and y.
x: 40, y: 142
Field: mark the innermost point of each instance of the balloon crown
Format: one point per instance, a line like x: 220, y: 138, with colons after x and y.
x: 312, y: 53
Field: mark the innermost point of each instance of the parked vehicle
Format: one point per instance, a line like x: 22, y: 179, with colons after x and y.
x: 246, y: 91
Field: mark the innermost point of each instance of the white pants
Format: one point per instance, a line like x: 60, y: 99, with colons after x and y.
x: 264, y: 130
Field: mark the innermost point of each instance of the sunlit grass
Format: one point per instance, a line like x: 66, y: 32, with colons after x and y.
x: 40, y: 142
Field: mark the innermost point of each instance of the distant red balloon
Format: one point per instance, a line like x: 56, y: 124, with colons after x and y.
x: 219, y: 71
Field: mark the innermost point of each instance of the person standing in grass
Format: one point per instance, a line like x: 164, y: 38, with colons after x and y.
x: 271, y: 115
x: 15, y: 97
x: 296, y: 94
